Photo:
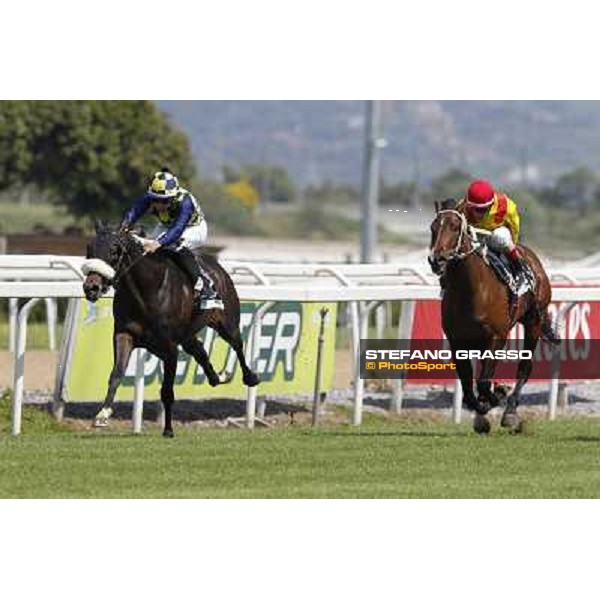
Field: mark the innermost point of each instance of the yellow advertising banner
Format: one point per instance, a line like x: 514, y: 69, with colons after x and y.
x: 286, y: 361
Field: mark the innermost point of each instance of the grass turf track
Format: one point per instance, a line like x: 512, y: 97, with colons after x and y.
x: 382, y: 459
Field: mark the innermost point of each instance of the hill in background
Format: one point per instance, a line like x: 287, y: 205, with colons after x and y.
x: 322, y: 140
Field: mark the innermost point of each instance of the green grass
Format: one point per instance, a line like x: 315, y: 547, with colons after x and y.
x: 34, y: 420
x: 382, y: 459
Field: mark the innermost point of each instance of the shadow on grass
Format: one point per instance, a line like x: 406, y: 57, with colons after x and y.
x: 183, y: 410
x: 586, y: 438
x: 416, y: 434
x: 443, y: 399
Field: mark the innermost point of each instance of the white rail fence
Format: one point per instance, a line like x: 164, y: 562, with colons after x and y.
x: 365, y: 287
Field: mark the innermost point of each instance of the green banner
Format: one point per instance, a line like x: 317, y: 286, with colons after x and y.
x: 286, y: 363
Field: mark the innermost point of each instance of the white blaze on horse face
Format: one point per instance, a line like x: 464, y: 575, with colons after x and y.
x: 463, y: 229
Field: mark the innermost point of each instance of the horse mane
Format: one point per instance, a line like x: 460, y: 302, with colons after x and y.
x: 134, y: 248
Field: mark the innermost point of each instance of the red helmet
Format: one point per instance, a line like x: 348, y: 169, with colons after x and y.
x: 480, y: 194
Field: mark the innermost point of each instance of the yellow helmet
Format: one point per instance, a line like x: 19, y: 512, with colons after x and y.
x: 164, y: 185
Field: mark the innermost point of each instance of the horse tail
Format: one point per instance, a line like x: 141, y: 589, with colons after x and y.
x: 543, y: 295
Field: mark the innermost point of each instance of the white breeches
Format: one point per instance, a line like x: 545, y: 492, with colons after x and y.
x: 193, y: 237
x: 501, y: 240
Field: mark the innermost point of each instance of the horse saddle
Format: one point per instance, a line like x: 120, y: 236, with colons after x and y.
x: 186, y: 261
x: 501, y: 266
x: 192, y: 263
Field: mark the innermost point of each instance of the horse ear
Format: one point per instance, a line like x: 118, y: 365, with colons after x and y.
x: 98, y: 225
x: 437, y: 206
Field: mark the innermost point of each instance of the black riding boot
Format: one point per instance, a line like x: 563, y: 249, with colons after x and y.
x: 519, y: 269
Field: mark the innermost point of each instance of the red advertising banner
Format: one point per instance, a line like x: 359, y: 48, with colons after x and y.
x: 579, y: 329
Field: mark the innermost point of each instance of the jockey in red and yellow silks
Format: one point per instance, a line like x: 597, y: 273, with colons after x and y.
x: 494, y: 211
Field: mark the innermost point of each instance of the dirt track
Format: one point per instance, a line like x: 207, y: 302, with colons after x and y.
x: 40, y: 367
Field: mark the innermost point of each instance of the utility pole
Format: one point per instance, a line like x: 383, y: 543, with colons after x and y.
x: 416, y: 196
x: 370, y: 189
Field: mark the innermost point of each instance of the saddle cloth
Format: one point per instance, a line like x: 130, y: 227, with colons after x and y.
x: 501, y: 266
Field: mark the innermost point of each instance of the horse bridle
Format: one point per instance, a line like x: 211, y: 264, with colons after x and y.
x: 455, y: 254
x: 124, y: 253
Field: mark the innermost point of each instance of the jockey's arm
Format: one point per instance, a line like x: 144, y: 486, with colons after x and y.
x: 513, y: 222
x: 139, y: 208
x: 176, y: 230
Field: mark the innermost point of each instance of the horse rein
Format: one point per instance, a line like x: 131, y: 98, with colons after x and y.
x: 455, y: 253
x: 124, y: 252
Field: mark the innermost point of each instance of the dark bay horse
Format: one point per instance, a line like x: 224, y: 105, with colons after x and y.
x: 476, y: 308
x: 153, y: 309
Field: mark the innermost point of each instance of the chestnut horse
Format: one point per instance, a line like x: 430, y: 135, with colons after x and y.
x: 153, y: 309
x: 477, y: 312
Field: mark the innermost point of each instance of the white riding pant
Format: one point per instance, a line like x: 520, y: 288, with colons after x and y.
x: 501, y: 240
x: 193, y: 237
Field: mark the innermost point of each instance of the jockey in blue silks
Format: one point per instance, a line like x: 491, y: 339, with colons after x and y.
x: 181, y: 227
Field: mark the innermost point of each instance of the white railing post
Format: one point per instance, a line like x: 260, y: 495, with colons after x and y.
x: 138, y: 395
x: 359, y: 383
x: 405, y: 323
x: 64, y: 357
x: 555, y: 368
x: 13, y: 310
x: 380, y: 321
x: 252, y: 351
x: 457, y: 402
x: 19, y: 368
x: 554, y: 380
x: 51, y: 314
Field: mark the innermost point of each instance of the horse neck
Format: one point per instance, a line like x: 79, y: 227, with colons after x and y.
x: 145, y: 274
x: 465, y: 274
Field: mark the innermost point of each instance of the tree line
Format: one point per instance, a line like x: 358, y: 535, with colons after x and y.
x: 95, y: 158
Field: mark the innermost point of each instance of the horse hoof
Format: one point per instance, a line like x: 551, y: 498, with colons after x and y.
x: 488, y: 401
x: 481, y: 424
x: 214, y: 380
x: 251, y: 379
x: 102, y: 417
x: 501, y: 391
x: 482, y: 408
x: 510, y: 421
x: 225, y: 377
x: 168, y: 433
